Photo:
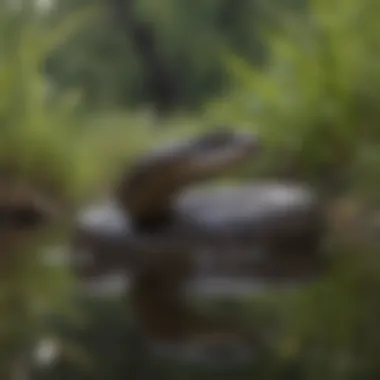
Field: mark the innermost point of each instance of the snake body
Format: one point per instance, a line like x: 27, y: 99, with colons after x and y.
x: 171, y: 229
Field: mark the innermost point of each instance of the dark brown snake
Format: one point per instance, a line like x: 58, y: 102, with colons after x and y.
x: 172, y: 229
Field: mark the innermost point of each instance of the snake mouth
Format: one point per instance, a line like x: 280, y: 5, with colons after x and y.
x: 147, y: 192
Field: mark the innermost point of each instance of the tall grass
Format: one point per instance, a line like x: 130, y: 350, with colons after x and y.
x: 316, y: 102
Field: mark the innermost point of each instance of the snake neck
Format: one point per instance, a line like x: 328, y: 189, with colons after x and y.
x: 147, y: 192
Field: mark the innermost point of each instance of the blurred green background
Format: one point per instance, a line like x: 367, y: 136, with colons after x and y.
x: 86, y: 85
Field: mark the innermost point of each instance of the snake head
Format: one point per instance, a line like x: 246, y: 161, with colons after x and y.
x: 146, y: 192
x: 220, y: 149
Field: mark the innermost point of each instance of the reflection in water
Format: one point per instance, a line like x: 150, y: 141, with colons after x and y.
x: 236, y: 251
x: 202, y: 285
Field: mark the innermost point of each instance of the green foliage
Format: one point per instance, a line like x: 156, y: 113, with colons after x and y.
x: 315, y: 103
x: 316, y: 100
x: 43, y: 147
x: 40, y: 138
x: 189, y: 37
